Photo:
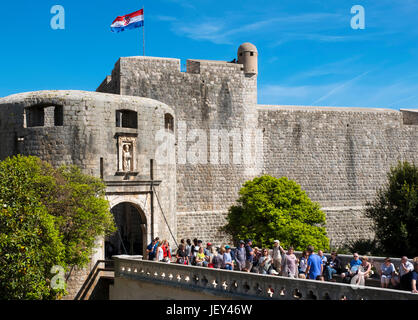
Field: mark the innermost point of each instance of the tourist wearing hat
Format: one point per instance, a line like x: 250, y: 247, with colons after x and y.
x: 208, y: 248
x: 228, y: 263
x: 277, y: 256
x: 240, y: 255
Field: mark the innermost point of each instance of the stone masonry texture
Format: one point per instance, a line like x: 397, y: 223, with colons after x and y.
x: 340, y: 156
x: 87, y: 137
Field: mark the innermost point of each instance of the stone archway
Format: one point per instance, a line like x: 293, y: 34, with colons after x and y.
x: 130, y: 238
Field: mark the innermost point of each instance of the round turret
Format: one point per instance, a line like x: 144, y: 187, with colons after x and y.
x: 248, y: 56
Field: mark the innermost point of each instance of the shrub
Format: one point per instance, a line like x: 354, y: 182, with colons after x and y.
x: 29, y: 246
x: 270, y: 208
x: 48, y: 217
x: 395, y: 211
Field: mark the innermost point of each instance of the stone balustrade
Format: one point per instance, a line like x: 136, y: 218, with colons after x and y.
x: 239, y: 285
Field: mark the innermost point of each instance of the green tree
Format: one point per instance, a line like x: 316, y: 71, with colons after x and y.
x: 48, y: 217
x: 395, y: 211
x: 81, y: 213
x: 270, y: 208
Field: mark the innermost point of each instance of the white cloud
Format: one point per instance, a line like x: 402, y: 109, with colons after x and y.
x: 282, y: 94
x: 340, y: 87
x: 166, y: 18
x: 183, y: 3
x: 357, y: 92
x: 225, y: 30
x: 342, y: 67
x: 211, y: 31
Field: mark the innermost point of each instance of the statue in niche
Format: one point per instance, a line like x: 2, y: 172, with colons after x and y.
x: 126, y: 154
x: 126, y: 158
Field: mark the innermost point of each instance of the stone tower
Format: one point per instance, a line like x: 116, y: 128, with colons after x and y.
x: 248, y: 56
x: 204, y: 134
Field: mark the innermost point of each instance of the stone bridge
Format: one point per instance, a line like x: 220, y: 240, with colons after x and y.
x: 137, y: 279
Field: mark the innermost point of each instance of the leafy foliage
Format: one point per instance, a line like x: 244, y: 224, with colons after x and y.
x: 48, y: 217
x: 395, y: 211
x: 77, y: 202
x: 270, y: 208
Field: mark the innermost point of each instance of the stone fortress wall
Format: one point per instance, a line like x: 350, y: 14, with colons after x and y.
x: 77, y: 127
x: 340, y: 156
x: 87, y: 136
x: 210, y: 95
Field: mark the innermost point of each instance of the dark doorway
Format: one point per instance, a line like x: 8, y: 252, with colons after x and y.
x: 129, y: 238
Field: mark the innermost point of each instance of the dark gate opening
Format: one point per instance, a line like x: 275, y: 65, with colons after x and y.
x: 129, y: 238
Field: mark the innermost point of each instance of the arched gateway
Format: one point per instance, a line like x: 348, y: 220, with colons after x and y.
x: 130, y: 237
x: 114, y: 137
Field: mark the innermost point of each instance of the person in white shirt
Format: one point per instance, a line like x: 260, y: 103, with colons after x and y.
x: 405, y: 271
x: 387, y: 273
x: 159, y: 253
x: 277, y: 256
x: 265, y: 262
x: 323, y: 258
x: 303, y: 264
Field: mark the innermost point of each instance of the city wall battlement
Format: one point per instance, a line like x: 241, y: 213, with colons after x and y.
x: 210, y: 118
x: 340, y: 156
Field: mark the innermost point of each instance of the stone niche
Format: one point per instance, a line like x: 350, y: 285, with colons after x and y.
x: 127, y: 154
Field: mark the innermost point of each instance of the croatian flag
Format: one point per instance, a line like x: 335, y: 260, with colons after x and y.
x: 129, y: 21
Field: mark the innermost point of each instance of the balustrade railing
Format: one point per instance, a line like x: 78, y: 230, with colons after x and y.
x: 242, y: 285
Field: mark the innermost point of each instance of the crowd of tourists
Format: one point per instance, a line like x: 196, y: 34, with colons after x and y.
x: 277, y: 261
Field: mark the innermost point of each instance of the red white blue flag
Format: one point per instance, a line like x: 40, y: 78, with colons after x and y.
x: 129, y: 21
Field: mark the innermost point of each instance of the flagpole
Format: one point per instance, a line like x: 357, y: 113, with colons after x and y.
x: 143, y: 31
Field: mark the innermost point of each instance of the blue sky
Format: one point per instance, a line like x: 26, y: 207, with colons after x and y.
x: 308, y: 52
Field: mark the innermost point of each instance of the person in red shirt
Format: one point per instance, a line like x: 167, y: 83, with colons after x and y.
x: 166, y: 251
